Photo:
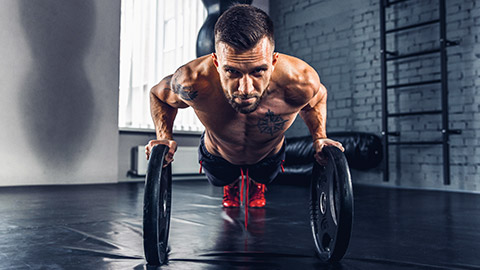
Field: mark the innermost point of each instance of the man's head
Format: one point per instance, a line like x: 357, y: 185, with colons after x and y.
x: 244, y: 55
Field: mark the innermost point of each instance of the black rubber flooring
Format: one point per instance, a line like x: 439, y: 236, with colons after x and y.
x: 100, y: 227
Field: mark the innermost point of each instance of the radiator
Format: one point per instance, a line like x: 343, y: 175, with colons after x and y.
x: 185, y: 161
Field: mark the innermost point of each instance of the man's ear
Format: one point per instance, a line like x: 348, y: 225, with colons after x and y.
x: 275, y: 58
x: 215, y: 59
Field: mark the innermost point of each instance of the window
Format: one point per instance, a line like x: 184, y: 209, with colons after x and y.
x: 157, y: 37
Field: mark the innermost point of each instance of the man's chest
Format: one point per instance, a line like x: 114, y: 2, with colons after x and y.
x: 271, y: 119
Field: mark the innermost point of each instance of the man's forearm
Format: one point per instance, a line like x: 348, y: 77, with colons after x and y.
x: 163, y: 116
x: 316, y: 118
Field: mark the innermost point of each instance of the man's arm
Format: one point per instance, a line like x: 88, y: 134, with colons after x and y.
x: 315, y: 116
x: 164, y: 104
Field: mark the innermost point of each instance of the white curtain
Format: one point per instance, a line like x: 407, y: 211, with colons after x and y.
x: 157, y: 37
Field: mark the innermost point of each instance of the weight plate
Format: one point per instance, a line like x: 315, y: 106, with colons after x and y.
x: 157, y: 207
x: 331, y: 205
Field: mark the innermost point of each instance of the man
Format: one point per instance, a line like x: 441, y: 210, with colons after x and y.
x: 246, y: 95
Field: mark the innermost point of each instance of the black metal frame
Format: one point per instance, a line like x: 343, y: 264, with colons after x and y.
x: 392, y: 56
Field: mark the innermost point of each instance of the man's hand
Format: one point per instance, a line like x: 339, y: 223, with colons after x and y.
x: 172, y: 145
x: 318, y: 145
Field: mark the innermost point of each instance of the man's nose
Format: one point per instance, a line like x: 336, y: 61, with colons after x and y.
x: 245, y: 86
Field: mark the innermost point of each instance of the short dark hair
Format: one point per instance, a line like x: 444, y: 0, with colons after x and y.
x: 243, y: 26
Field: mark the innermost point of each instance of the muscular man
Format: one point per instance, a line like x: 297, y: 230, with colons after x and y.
x: 246, y: 95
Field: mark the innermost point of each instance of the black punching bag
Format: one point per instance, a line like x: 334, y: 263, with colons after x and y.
x: 215, y: 8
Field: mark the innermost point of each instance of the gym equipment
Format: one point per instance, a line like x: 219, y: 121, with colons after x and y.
x: 206, y: 37
x: 331, y: 205
x: 157, y: 207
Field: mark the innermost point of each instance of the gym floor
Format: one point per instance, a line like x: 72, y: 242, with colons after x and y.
x: 100, y: 227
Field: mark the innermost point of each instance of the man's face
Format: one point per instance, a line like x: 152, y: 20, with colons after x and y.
x: 245, y: 76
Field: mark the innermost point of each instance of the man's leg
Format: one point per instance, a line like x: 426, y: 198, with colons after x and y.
x: 264, y: 173
x: 220, y: 172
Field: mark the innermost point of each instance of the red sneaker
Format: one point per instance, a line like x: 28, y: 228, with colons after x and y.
x: 256, y: 196
x: 231, y: 196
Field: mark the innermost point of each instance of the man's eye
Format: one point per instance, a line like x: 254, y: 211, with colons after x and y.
x: 231, y: 71
x: 258, y: 71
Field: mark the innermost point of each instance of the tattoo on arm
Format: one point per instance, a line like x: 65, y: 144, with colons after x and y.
x: 271, y: 123
x: 186, y: 92
x: 168, y: 80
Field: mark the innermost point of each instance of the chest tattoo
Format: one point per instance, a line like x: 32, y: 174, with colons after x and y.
x: 271, y: 123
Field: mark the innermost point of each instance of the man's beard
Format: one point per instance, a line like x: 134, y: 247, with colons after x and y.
x: 245, y: 109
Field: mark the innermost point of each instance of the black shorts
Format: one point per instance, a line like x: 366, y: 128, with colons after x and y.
x: 220, y: 172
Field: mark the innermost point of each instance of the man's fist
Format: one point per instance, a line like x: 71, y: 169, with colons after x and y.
x: 318, y: 145
x: 172, y: 145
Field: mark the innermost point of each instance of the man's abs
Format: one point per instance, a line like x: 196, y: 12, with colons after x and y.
x: 244, y: 152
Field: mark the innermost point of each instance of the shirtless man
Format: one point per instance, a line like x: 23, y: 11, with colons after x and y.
x: 247, y: 96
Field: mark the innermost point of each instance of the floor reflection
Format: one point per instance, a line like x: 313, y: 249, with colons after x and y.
x: 100, y: 227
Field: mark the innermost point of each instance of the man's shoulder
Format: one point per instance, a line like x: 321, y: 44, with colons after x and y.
x: 193, y: 78
x: 299, y: 80
x: 194, y: 70
x: 295, y: 70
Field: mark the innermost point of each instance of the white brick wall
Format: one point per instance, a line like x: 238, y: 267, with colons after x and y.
x: 341, y: 40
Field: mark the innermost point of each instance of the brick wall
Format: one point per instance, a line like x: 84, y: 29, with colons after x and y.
x: 341, y: 40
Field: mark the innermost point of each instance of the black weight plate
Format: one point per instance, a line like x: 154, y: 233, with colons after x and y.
x: 157, y: 207
x: 331, y: 205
